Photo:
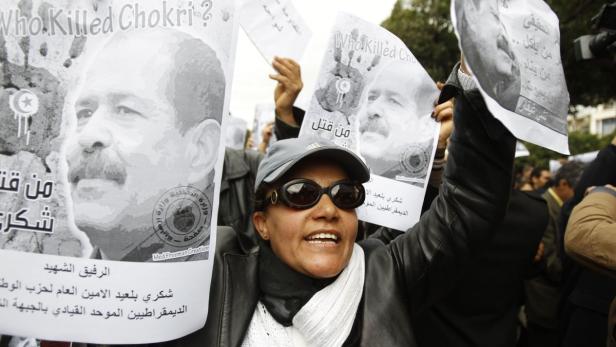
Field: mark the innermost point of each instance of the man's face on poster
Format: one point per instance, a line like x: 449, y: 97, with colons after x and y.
x: 389, y: 111
x: 493, y: 57
x: 127, y: 148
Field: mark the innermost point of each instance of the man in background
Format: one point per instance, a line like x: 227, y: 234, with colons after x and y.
x: 543, y: 293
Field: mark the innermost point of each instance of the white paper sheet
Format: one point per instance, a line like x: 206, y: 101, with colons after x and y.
x: 373, y: 97
x: 521, y: 150
x: 109, y: 177
x: 276, y: 28
x: 513, y: 49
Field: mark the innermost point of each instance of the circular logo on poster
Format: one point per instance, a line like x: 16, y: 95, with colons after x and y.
x: 24, y: 102
x: 415, y: 160
x: 182, y: 216
x: 343, y: 85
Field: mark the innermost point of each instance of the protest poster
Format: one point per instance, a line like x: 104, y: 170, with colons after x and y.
x: 276, y: 28
x: 235, y: 132
x: 521, y: 150
x: 554, y: 165
x: 373, y: 97
x: 584, y: 157
x: 110, y: 167
x: 512, y: 48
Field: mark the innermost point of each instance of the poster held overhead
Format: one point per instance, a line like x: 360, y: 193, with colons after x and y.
x: 521, y: 150
x: 513, y: 50
x: 276, y: 28
x: 374, y: 97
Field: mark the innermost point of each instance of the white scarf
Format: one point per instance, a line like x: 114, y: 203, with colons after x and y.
x: 325, y: 320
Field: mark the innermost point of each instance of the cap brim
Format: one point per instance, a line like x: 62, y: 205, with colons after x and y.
x: 350, y: 162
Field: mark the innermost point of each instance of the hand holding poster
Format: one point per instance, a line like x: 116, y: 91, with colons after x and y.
x: 276, y: 28
x: 376, y: 99
x: 512, y: 48
x: 112, y: 152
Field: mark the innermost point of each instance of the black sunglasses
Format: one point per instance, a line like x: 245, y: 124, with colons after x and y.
x: 304, y: 193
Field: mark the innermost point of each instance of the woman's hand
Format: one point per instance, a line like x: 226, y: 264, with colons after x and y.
x: 289, y: 78
x: 443, y: 113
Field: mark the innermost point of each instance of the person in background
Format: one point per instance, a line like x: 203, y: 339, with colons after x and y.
x: 266, y: 137
x: 591, y: 239
x: 591, y: 231
x: 522, y: 177
x: 540, y: 178
x: 543, y: 292
x: 611, y: 326
x: 249, y: 143
x: 587, y: 294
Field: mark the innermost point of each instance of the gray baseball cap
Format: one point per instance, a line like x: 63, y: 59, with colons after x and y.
x: 283, y: 155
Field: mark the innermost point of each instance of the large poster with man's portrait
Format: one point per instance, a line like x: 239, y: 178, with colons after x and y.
x: 512, y: 48
x: 111, y: 156
x: 374, y: 97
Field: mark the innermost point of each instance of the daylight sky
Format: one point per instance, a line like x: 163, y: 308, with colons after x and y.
x: 251, y: 84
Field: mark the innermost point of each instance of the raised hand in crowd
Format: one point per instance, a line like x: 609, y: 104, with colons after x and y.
x: 289, y: 78
x: 266, y: 136
x: 443, y: 113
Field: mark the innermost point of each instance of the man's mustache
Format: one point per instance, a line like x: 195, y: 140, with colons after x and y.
x: 95, y: 165
x: 374, y: 125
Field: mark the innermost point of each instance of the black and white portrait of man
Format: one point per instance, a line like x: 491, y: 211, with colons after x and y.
x: 396, y: 131
x: 141, y: 157
x: 487, y: 49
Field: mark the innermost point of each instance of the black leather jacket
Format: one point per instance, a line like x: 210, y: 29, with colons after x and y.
x: 237, y: 194
x: 408, y: 274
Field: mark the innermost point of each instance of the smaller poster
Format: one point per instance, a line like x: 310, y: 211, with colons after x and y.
x: 373, y: 97
x: 512, y: 48
x: 276, y: 28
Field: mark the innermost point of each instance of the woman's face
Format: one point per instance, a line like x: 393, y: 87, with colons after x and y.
x: 318, y: 241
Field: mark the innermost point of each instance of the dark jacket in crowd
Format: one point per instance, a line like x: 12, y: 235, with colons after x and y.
x: 237, y: 194
x: 412, y: 271
x: 611, y: 326
x: 482, y: 308
x: 587, y: 294
x: 544, y: 290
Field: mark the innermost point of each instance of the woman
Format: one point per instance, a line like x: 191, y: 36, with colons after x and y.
x: 308, y: 282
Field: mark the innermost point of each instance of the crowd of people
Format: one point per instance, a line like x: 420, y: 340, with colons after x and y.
x: 495, y: 260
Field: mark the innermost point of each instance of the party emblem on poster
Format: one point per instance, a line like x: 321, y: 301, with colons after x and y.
x: 24, y: 105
